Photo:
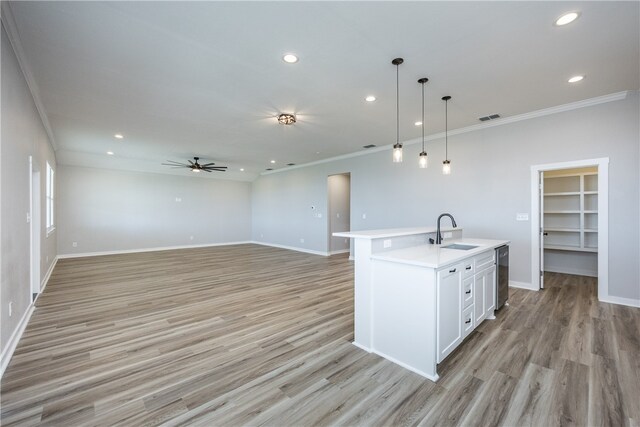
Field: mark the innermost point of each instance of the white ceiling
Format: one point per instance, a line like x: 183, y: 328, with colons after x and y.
x: 180, y: 79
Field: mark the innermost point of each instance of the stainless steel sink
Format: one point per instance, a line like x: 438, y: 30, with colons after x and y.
x: 459, y: 247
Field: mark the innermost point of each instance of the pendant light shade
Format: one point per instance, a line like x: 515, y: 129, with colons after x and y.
x: 446, y: 164
x: 397, y: 147
x: 423, y: 160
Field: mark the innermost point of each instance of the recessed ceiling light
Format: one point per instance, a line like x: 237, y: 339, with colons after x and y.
x: 370, y: 98
x: 567, y: 18
x: 118, y: 136
x: 290, y: 58
x: 575, y: 79
x: 241, y: 169
x: 273, y: 161
x: 418, y: 123
x: 110, y: 153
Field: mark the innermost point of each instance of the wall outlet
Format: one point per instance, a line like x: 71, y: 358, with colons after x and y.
x: 522, y: 217
x: 319, y: 215
x: 10, y: 308
x: 178, y: 199
x: 28, y: 217
x: 386, y: 243
x: 301, y: 240
x: 74, y: 244
x: 447, y: 235
x: 338, y: 215
x: 190, y: 237
x: 47, y: 258
x: 261, y: 235
x: 346, y: 240
x: 364, y: 216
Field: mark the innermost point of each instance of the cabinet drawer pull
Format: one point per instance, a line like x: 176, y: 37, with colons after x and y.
x: 468, y: 321
x: 452, y: 271
x: 468, y: 292
x: 469, y: 267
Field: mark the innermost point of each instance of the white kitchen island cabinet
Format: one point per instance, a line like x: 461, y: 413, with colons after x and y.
x: 425, y: 299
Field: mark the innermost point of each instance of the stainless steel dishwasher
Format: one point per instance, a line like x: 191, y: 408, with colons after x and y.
x: 502, y: 275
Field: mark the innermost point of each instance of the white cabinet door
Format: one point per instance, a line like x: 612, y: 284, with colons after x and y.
x: 449, y: 309
x: 479, y: 310
x: 490, y: 291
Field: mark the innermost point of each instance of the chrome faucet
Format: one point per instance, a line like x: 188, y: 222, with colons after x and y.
x: 438, y: 234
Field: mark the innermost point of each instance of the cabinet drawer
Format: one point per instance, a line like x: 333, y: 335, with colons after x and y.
x: 467, y: 321
x: 484, y: 260
x: 449, y: 271
x: 467, y: 292
x: 467, y: 268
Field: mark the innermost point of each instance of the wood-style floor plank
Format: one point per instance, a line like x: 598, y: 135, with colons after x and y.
x: 251, y: 335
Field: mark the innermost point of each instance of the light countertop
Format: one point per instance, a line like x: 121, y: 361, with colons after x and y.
x: 392, y: 232
x: 435, y: 256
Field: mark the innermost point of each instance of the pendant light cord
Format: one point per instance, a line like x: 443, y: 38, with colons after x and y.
x: 423, y: 117
x: 397, y: 103
x: 446, y: 130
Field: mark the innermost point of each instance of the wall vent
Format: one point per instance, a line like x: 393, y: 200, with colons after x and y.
x: 491, y: 117
x: 269, y: 169
x: 291, y: 164
x: 369, y: 146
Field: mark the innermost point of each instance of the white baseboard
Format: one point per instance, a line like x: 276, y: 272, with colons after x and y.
x: 291, y: 248
x: 433, y: 378
x: 522, y: 285
x: 574, y: 271
x: 620, y: 300
x: 362, y: 347
x: 47, y: 276
x: 161, y: 248
x: 5, y: 358
x: 341, y: 251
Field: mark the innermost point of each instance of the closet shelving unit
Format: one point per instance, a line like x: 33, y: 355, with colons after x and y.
x: 571, y: 211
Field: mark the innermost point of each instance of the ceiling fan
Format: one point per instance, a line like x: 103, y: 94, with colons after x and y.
x: 195, y: 166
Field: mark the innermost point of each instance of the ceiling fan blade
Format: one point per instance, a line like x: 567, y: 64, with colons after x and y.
x: 208, y: 164
x: 215, y: 167
x: 206, y: 170
x: 175, y: 164
x: 192, y: 164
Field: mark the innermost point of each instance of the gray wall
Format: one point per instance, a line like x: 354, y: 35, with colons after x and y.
x: 489, y: 184
x: 339, y: 210
x: 22, y: 136
x: 107, y: 210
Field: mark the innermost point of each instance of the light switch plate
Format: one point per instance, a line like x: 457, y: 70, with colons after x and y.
x: 522, y: 217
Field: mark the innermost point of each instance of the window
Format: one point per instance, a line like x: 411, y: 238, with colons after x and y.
x: 50, y: 186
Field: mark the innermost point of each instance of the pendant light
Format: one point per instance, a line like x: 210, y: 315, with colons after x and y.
x: 446, y: 164
x: 422, y: 158
x: 397, y: 147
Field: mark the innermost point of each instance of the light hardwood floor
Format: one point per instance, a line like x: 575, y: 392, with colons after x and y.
x: 251, y: 335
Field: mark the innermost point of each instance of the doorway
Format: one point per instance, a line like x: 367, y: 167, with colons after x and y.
x: 35, y: 229
x: 569, y: 227
x: 339, y: 212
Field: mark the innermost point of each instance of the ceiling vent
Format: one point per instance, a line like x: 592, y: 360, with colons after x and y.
x: 491, y: 117
x: 369, y: 146
x: 291, y: 164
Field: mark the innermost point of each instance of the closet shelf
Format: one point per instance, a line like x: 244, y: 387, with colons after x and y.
x: 570, y: 248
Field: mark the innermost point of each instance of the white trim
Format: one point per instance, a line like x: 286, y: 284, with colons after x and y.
x: 433, y: 378
x: 522, y: 285
x: 620, y: 300
x: 47, y: 276
x: 576, y: 271
x: 491, y: 123
x: 292, y: 248
x: 603, y: 218
x: 351, y: 258
x: 161, y: 248
x: 341, y: 251
x: 14, y: 38
x: 362, y: 347
x: 14, y: 339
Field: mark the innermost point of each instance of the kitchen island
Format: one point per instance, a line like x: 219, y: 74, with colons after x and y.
x: 414, y: 301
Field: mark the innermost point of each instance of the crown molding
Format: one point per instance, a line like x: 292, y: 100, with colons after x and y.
x: 492, y: 123
x: 9, y: 24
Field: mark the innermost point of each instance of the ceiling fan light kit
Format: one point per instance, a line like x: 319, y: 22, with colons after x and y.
x: 286, y: 119
x: 196, y: 167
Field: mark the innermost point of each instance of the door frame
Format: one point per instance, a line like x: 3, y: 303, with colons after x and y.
x: 330, y: 219
x: 603, y: 219
x: 35, y: 227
